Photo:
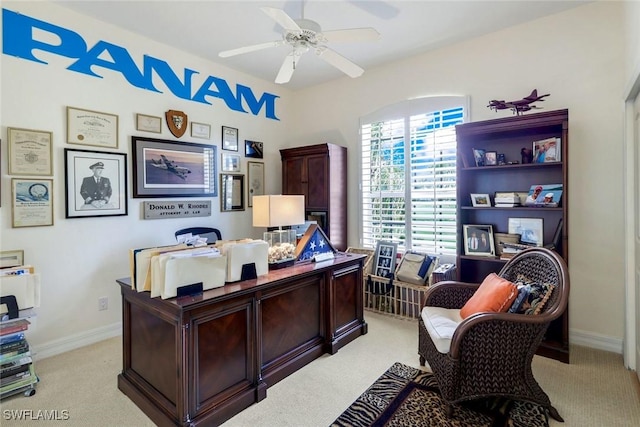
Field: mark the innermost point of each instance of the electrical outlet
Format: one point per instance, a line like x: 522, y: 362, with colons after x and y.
x: 103, y: 303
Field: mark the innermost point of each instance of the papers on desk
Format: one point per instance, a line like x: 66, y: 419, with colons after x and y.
x: 163, y: 270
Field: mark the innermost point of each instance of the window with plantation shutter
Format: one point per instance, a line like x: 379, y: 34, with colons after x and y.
x: 408, y: 172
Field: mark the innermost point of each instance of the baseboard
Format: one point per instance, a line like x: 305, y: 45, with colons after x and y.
x: 72, y: 342
x: 597, y: 341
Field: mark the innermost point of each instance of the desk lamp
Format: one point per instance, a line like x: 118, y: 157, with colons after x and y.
x: 278, y: 211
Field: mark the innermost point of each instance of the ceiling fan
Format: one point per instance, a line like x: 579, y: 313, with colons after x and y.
x: 304, y: 34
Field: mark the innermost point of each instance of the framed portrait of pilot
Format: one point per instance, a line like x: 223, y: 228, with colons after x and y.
x: 165, y: 168
x: 95, y: 183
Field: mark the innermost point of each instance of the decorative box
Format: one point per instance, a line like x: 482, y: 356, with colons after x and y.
x: 282, y: 248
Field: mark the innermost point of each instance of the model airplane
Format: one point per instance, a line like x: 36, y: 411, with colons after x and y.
x: 170, y: 166
x: 520, y: 106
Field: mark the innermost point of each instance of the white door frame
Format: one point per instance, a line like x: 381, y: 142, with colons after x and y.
x: 631, y: 351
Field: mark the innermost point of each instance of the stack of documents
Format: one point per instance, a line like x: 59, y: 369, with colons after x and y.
x: 23, y: 283
x: 162, y: 270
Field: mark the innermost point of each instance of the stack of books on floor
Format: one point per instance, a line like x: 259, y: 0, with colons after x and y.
x: 17, y: 373
x: 507, y: 200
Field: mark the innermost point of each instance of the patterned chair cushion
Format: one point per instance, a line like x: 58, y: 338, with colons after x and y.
x: 532, y: 296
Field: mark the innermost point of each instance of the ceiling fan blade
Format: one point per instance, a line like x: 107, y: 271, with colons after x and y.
x: 287, y: 68
x: 351, y: 35
x: 340, y: 62
x: 252, y: 48
x: 281, y: 17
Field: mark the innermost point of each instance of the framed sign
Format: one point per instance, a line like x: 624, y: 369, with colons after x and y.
x: 148, y: 123
x: 30, y: 152
x: 86, y: 127
x: 95, y: 183
x: 255, y: 176
x: 32, y: 202
x: 11, y: 258
x: 163, y: 168
x: 229, y: 138
x: 231, y: 192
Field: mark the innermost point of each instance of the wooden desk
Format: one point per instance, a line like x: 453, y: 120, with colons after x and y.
x: 200, y: 360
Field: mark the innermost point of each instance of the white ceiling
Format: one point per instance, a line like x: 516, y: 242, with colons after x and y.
x: 407, y: 28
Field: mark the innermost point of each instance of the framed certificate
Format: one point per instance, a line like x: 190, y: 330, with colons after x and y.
x: 255, y: 176
x: 200, y: 130
x: 32, y: 202
x: 86, y: 127
x: 148, y: 123
x: 30, y: 152
x: 229, y: 138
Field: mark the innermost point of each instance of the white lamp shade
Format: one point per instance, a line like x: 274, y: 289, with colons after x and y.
x: 278, y: 210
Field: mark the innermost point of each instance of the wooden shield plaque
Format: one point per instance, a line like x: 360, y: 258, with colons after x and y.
x: 177, y: 122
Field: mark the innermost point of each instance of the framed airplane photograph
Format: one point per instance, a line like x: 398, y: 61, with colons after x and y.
x: 164, y: 168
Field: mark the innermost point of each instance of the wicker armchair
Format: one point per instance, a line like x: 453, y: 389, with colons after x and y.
x: 490, y: 354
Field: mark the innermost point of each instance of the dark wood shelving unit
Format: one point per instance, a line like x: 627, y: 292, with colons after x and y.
x: 508, y: 136
x: 319, y: 172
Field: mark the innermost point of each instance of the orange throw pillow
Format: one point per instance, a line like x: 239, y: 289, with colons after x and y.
x: 495, y: 294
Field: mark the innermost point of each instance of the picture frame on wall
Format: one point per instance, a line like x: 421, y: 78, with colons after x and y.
x: 478, y: 240
x: 200, y: 130
x: 255, y: 178
x: 95, y: 183
x: 11, y: 258
x: 231, y: 192
x: 385, y: 258
x: 88, y: 127
x: 146, y: 123
x: 32, y: 202
x: 230, y: 162
x: 229, y: 138
x: 253, y: 149
x: 165, y: 168
x: 30, y: 152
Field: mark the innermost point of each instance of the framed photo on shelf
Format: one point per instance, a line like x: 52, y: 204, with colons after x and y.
x: 30, y: 152
x: 147, y: 123
x: 200, y: 130
x: 255, y: 177
x: 231, y: 192
x: 531, y: 230
x: 478, y: 240
x: 32, y: 202
x: 480, y: 200
x: 478, y: 155
x: 164, y: 168
x: 385, y: 258
x: 253, y: 149
x: 545, y: 196
x: 229, y: 138
x: 87, y: 127
x: 95, y: 183
x: 546, y: 150
x: 230, y: 162
x: 490, y: 158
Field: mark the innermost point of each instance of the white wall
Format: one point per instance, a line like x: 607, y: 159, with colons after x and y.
x: 632, y: 28
x: 79, y: 259
x: 578, y: 57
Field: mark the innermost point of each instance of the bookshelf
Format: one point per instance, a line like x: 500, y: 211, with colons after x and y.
x: 508, y: 136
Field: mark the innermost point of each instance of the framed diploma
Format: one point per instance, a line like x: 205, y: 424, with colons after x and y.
x: 86, y: 127
x: 255, y: 175
x: 30, y: 152
x: 148, y: 123
x: 229, y: 138
x: 32, y: 202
